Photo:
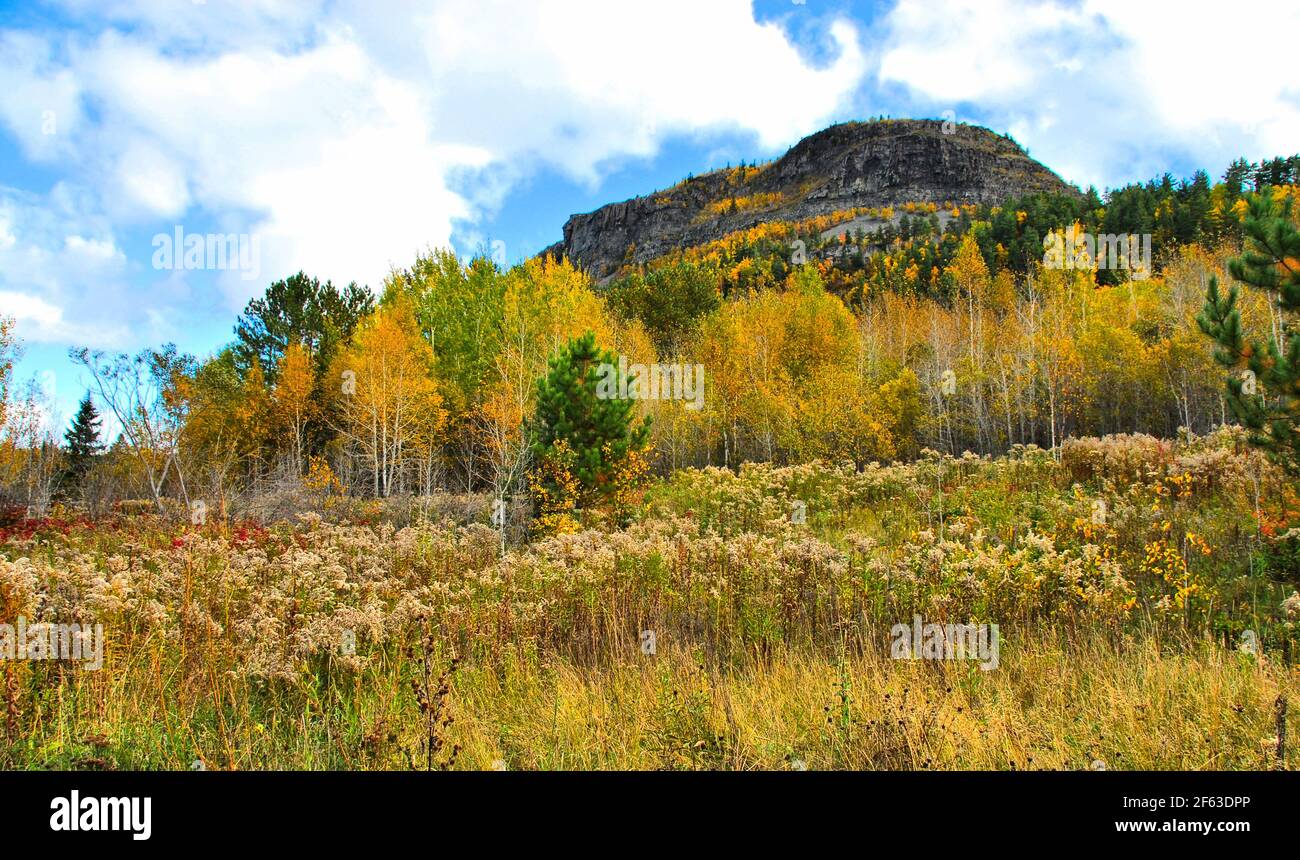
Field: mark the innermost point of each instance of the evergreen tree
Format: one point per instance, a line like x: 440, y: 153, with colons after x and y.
x: 1264, y: 390
x: 1236, y: 175
x: 299, y: 309
x: 585, y: 420
x: 83, y: 446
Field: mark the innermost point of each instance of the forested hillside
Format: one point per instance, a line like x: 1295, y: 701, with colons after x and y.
x: 528, y: 517
x: 861, y: 335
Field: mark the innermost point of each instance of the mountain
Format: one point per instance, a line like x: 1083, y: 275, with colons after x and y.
x: 857, y: 165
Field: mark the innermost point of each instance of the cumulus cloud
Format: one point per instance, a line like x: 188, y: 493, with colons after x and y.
x: 1105, y: 91
x: 342, y: 138
x: 345, y: 137
x: 39, y: 97
x: 59, y: 270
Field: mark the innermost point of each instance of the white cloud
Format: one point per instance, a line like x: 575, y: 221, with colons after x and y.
x: 971, y: 50
x: 1200, y: 79
x: 576, y: 83
x: 1104, y: 91
x: 39, y: 97
x: 61, y: 287
x: 42, y: 322
x: 94, y: 249
x: 149, y: 180
x: 336, y: 135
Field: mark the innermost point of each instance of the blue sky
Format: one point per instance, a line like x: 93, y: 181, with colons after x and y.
x: 341, y: 137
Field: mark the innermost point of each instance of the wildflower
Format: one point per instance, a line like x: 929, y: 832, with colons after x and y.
x: 1291, y: 606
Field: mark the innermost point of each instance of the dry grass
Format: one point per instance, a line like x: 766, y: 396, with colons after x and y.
x: 1050, y: 705
x: 233, y: 647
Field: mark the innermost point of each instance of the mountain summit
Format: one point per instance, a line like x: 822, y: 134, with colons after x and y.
x: 848, y: 166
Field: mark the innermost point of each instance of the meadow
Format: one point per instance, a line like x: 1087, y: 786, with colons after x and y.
x: 1145, y: 592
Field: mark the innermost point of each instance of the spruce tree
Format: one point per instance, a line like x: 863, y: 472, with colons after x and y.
x: 1263, y: 390
x: 595, y: 432
x: 83, y: 445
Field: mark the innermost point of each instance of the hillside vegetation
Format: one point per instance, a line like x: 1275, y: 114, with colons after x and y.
x: 365, y: 643
x: 443, y: 525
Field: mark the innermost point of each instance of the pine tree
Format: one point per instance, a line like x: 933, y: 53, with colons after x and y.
x: 578, y: 418
x: 1235, y: 176
x: 1264, y: 390
x: 83, y: 446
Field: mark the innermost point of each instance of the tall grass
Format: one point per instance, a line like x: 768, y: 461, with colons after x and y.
x: 316, y: 644
x: 1146, y: 704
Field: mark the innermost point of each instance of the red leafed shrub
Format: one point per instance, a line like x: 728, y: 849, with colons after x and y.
x: 11, y: 515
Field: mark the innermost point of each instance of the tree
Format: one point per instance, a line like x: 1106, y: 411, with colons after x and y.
x: 228, y: 421
x: 972, y: 279
x: 1270, y: 262
x: 301, y: 310
x: 292, y: 401
x: 1236, y: 175
x: 389, y: 403
x: 7, y: 350
x: 82, y: 446
x: 669, y: 300
x: 30, y: 459
x: 843, y: 416
x: 459, y: 310
x: 546, y: 304
x: 582, y: 429
x: 143, y: 394
x: 745, y: 347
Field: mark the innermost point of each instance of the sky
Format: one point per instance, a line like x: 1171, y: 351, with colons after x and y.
x: 342, y: 138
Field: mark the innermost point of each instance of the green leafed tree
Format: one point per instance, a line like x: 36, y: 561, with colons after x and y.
x: 1264, y: 386
x: 299, y: 309
x: 319, y: 317
x: 670, y: 300
x: 578, y: 421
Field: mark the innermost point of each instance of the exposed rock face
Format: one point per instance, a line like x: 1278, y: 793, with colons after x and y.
x: 869, y: 164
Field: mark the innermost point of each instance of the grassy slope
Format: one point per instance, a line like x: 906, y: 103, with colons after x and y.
x: 226, y: 645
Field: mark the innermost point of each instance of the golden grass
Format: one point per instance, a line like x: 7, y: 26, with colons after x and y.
x: 319, y: 645
x: 1049, y: 705
x: 1046, y: 707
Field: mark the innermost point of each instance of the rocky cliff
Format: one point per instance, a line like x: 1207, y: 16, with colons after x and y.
x: 860, y: 164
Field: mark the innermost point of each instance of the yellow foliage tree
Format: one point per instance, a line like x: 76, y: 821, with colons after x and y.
x: 6, y: 363
x: 389, y: 403
x: 547, y: 303
x: 291, y: 401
